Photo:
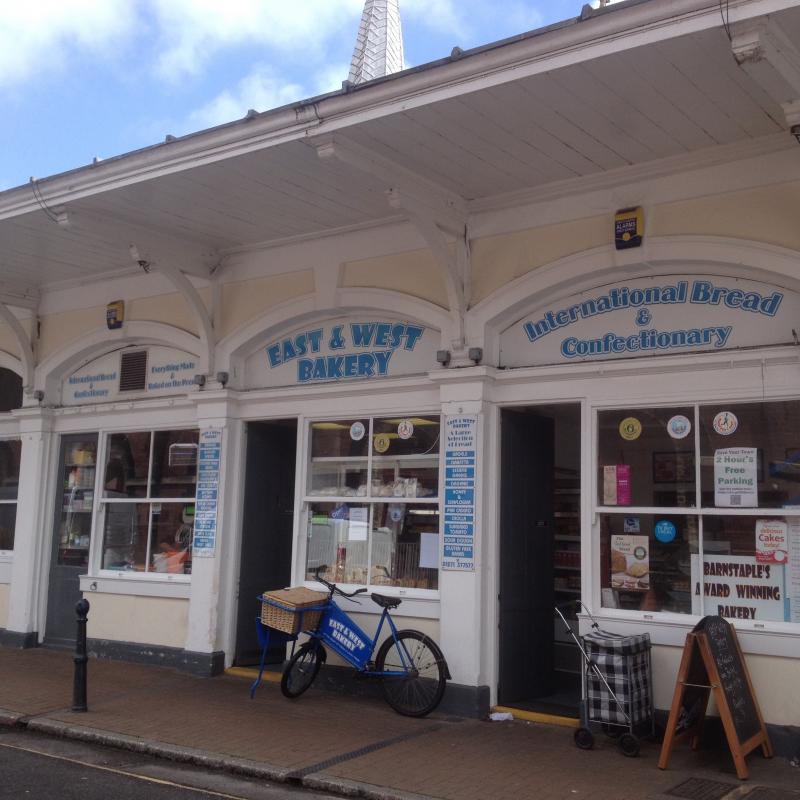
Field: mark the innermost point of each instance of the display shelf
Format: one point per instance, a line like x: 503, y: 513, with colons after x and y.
x: 569, y: 569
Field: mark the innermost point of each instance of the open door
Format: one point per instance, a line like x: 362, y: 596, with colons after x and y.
x: 267, y: 528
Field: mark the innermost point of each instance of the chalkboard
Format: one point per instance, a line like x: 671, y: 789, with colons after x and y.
x: 732, y: 676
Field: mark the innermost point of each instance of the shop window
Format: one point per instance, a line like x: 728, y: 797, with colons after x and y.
x: 149, y: 488
x: 372, y: 491
x: 9, y: 486
x: 699, y: 509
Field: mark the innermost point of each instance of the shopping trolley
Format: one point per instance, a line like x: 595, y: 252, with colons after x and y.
x: 617, y: 691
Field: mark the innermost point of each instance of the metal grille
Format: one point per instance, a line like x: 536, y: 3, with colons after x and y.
x: 133, y: 371
x: 701, y: 789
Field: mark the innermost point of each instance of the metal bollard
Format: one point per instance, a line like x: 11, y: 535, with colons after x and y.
x: 79, y: 686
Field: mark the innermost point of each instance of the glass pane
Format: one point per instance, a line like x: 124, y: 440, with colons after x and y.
x: 8, y: 520
x: 9, y: 468
x: 405, y: 545
x: 337, y: 540
x: 125, y: 536
x: 405, y: 457
x: 128, y: 460
x: 645, y: 561
x: 646, y: 457
x: 171, y: 547
x: 750, y: 455
x: 339, y: 458
x: 174, y: 464
x: 745, y: 572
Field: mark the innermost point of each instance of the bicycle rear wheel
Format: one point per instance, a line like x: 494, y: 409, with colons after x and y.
x: 302, y: 669
x: 419, y: 691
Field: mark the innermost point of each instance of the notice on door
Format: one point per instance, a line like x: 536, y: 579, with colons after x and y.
x: 205, y: 518
x: 736, y: 477
x: 460, y: 443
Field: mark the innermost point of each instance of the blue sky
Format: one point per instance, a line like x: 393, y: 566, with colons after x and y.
x: 86, y: 78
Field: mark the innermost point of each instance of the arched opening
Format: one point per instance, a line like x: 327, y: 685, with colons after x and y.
x: 10, y: 390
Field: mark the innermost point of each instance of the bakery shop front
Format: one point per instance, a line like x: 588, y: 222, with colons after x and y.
x: 649, y: 467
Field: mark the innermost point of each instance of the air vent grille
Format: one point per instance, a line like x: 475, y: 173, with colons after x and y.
x: 133, y: 371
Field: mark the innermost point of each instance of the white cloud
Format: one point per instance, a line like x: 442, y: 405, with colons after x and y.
x: 440, y: 15
x: 37, y: 35
x: 261, y: 90
x: 192, y: 30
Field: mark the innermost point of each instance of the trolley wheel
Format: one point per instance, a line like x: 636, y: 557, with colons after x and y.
x: 302, y: 669
x: 584, y: 739
x: 629, y: 745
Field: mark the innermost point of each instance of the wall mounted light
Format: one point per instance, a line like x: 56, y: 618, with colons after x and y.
x: 222, y: 377
x: 200, y: 380
x: 475, y: 354
x: 38, y: 395
x: 443, y: 357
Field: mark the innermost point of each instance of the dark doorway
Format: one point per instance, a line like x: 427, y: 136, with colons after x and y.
x: 539, y: 557
x: 267, y: 528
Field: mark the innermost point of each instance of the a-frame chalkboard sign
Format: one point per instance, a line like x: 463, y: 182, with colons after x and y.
x: 713, y: 662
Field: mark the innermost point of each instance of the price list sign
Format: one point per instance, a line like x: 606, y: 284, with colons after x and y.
x: 459, y: 493
x: 205, y: 518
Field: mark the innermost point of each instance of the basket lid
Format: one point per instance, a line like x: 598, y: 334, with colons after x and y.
x: 297, y: 596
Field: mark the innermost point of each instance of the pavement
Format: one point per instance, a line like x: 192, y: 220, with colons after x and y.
x: 355, y: 746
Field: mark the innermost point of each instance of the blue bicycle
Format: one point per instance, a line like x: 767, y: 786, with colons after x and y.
x: 409, y: 664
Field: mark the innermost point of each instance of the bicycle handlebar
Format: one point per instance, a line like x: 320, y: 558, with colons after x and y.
x: 332, y: 587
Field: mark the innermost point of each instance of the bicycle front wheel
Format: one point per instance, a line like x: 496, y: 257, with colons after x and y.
x: 301, y: 670
x: 420, y: 688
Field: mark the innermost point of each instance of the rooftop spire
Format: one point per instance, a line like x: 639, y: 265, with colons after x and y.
x: 379, y: 45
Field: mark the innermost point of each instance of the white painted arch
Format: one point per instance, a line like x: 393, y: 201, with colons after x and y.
x: 664, y: 255
x: 9, y: 361
x: 52, y: 371
x: 237, y: 346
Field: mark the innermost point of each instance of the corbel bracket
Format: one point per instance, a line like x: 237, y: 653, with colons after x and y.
x: 23, y: 343
x: 439, y: 214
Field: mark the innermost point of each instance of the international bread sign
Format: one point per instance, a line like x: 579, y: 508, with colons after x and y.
x: 650, y: 317
x: 351, y: 349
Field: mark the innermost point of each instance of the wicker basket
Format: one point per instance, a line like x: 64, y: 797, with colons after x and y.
x: 284, y: 609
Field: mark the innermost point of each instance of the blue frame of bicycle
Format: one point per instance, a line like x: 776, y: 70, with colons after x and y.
x: 339, y: 632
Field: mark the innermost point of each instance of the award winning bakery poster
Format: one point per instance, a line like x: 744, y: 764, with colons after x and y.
x: 630, y: 563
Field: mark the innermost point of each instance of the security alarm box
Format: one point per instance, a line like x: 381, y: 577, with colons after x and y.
x: 628, y: 228
x: 115, y: 314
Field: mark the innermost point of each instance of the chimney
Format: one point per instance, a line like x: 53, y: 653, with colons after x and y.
x: 379, y: 45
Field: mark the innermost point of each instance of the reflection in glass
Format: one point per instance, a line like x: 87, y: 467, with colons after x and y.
x: 339, y: 458
x: 171, y: 540
x: 9, y: 468
x: 8, y: 521
x: 174, y: 463
x: 647, y: 466
x: 127, y: 465
x: 125, y: 532
x: 645, y: 561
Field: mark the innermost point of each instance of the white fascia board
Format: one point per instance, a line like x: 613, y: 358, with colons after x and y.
x: 493, y: 65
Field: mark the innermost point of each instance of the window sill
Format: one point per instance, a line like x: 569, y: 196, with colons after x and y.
x: 774, y: 639
x: 177, y: 587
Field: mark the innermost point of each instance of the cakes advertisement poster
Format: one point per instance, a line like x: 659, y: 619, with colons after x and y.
x: 630, y: 563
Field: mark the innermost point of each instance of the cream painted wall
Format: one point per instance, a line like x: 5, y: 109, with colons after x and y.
x: 765, y: 215
x: 170, y: 308
x: 4, y: 588
x: 145, y: 620
x: 774, y: 680
x: 244, y: 300
x: 415, y: 273
x: 497, y: 260
x: 7, y: 341
x: 59, y: 329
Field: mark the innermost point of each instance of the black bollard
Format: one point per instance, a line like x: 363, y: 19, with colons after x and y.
x: 79, y: 686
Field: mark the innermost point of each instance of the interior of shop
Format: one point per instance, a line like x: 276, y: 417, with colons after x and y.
x: 540, y: 564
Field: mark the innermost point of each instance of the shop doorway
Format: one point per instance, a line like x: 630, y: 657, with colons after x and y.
x: 267, y: 528
x: 539, y: 557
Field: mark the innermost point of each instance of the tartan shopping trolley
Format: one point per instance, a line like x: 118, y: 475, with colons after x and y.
x: 617, y: 688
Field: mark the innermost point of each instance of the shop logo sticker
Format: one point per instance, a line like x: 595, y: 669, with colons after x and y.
x: 631, y: 525
x: 665, y: 531
x: 357, y: 431
x: 381, y: 442
x: 726, y: 423
x: 679, y: 427
x: 630, y: 429
x: 405, y: 430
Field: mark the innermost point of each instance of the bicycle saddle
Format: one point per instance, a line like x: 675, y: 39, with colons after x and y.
x: 386, y: 602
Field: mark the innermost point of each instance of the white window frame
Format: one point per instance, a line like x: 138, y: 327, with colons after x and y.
x: 306, y: 500
x: 6, y: 556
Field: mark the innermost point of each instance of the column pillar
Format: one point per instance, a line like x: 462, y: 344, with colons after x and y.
x: 33, y: 528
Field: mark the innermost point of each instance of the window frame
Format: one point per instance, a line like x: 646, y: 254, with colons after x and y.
x: 5, y: 554
x: 306, y: 500
x: 98, y: 533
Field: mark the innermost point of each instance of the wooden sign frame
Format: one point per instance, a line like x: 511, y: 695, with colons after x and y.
x: 698, y: 676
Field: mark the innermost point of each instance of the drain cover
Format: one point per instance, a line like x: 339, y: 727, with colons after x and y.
x: 702, y: 789
x: 765, y: 793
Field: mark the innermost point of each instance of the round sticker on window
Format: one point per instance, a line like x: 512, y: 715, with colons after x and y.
x: 395, y: 513
x: 405, y: 430
x: 630, y: 428
x: 726, y: 423
x: 357, y: 431
x: 381, y: 442
x: 679, y: 427
x: 665, y: 531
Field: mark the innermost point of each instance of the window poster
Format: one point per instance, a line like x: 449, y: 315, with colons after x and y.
x: 460, y: 440
x: 738, y: 587
x: 736, y: 477
x: 205, y: 518
x: 771, y: 541
x: 617, y: 485
x: 630, y: 562
x: 793, y: 570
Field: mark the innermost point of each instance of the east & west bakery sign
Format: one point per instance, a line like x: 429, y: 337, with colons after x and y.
x: 653, y: 317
